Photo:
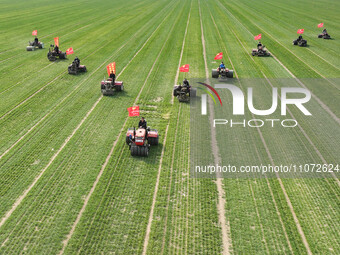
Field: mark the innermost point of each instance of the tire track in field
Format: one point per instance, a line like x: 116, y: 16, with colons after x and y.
x: 181, y: 55
x: 271, y: 192
x: 225, y: 227
x: 297, y: 223
x: 119, y: 49
x: 323, y: 105
x: 20, y: 199
x: 324, y: 59
x: 148, y: 228
x: 69, y: 236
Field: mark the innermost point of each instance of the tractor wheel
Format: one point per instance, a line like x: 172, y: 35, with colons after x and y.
x: 295, y: 42
x: 214, y: 73
x: 319, y: 36
x: 62, y: 55
x: 153, y: 140
x: 118, y: 88
x: 230, y: 74
x: 174, y: 91
x: 51, y: 57
x: 144, y: 151
x: 253, y: 53
x: 134, y: 150
x: 193, y: 92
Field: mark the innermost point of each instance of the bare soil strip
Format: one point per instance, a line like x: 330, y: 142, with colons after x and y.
x: 226, y: 238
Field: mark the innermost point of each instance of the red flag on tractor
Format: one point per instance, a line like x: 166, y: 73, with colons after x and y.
x: 56, y: 41
x: 257, y: 37
x: 133, y: 111
x: 219, y: 56
x: 35, y: 32
x: 320, y: 25
x: 184, y: 68
x: 300, y: 31
x: 111, y: 68
x: 69, y: 51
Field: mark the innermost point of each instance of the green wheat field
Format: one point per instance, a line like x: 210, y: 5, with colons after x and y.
x: 68, y: 183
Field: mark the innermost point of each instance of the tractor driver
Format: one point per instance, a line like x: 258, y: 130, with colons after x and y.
x: 36, y: 41
x: 222, y: 66
x: 112, y: 76
x: 259, y: 46
x: 186, y: 83
x: 300, y: 38
x: 324, y: 31
x: 142, y: 123
x: 77, y: 61
x: 56, y: 49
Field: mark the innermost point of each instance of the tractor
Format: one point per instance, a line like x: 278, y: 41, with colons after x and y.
x: 110, y: 85
x: 35, y: 45
x: 300, y: 41
x: 140, y: 140
x: 223, y: 72
x: 76, y: 68
x: 54, y: 53
x: 260, y: 51
x: 324, y: 35
x: 183, y: 93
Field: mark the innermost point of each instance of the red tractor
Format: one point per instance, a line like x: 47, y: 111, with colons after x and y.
x: 140, y: 140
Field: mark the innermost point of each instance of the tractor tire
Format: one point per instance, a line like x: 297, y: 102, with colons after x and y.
x: 174, y: 93
x: 41, y: 45
x: 295, y: 42
x: 193, y: 92
x: 51, y: 57
x: 230, y: 74
x: 62, y: 55
x: 253, y: 53
x: 118, y: 88
x: 69, y: 69
x: 134, y: 150
x: 215, y: 73
x: 30, y: 48
x: 153, y: 140
x: 144, y: 151
x: 319, y: 36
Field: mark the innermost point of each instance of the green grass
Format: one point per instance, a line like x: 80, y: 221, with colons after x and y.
x: 42, y: 108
